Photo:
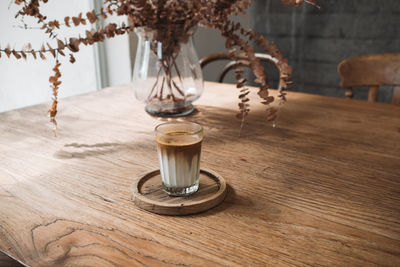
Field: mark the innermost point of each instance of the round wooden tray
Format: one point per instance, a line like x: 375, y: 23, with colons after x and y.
x: 147, y: 194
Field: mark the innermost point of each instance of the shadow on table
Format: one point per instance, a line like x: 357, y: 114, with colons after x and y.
x: 221, y: 126
x: 81, y: 151
x: 91, y: 151
x: 231, y: 200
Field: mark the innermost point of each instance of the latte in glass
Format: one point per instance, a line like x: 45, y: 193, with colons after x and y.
x: 179, y: 150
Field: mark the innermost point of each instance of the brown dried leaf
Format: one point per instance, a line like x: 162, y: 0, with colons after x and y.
x: 71, y: 58
x: 53, y: 24
x: 92, y: 17
x: 61, y: 44
x: 66, y: 21
x: 89, y: 35
x: 271, y: 117
x: 271, y: 114
x: 57, y: 24
x: 263, y: 93
x: 42, y: 55
x: 268, y: 100
x: 109, y: 10
x: 53, y: 52
x: 8, y: 51
x: 16, y: 55
x: 73, y: 44
x: 33, y: 54
x: 76, y: 21
x: 243, y: 105
x: 244, y: 94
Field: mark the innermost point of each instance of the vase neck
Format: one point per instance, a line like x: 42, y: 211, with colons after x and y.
x: 173, y: 32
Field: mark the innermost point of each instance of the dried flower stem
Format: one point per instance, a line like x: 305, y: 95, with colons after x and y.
x: 163, y: 16
x: 55, y: 83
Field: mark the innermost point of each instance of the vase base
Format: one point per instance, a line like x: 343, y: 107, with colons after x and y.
x: 177, y: 112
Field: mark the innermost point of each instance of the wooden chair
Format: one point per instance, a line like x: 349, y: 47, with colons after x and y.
x: 372, y: 71
x: 242, y: 61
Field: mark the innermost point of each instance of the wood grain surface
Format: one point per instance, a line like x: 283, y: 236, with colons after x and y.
x: 320, y: 189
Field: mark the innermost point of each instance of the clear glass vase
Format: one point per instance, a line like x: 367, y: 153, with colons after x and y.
x: 167, y: 76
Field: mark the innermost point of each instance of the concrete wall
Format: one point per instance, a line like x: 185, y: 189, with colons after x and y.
x: 209, y: 41
x: 317, y: 41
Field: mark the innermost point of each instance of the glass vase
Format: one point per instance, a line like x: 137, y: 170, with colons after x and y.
x: 167, y: 76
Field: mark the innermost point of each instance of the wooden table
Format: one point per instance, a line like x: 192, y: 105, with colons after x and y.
x: 321, y: 189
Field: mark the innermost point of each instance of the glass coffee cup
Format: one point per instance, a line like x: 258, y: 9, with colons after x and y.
x: 178, y: 150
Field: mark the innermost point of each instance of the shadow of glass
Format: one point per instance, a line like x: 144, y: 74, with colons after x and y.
x: 76, y: 145
x: 81, y: 151
x: 231, y: 200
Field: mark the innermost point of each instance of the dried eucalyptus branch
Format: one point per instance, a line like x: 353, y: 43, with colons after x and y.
x: 55, y: 83
x: 173, y: 22
x: 73, y: 43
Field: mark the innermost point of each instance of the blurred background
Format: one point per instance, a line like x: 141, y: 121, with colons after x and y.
x: 315, y: 42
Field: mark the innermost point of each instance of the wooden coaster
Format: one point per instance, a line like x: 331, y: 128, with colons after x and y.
x: 147, y: 194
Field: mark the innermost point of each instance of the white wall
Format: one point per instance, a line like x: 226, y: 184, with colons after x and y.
x: 119, y: 69
x: 24, y: 83
x: 115, y: 54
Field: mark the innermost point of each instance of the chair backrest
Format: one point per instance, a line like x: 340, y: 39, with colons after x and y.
x: 372, y: 71
x: 242, y: 60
